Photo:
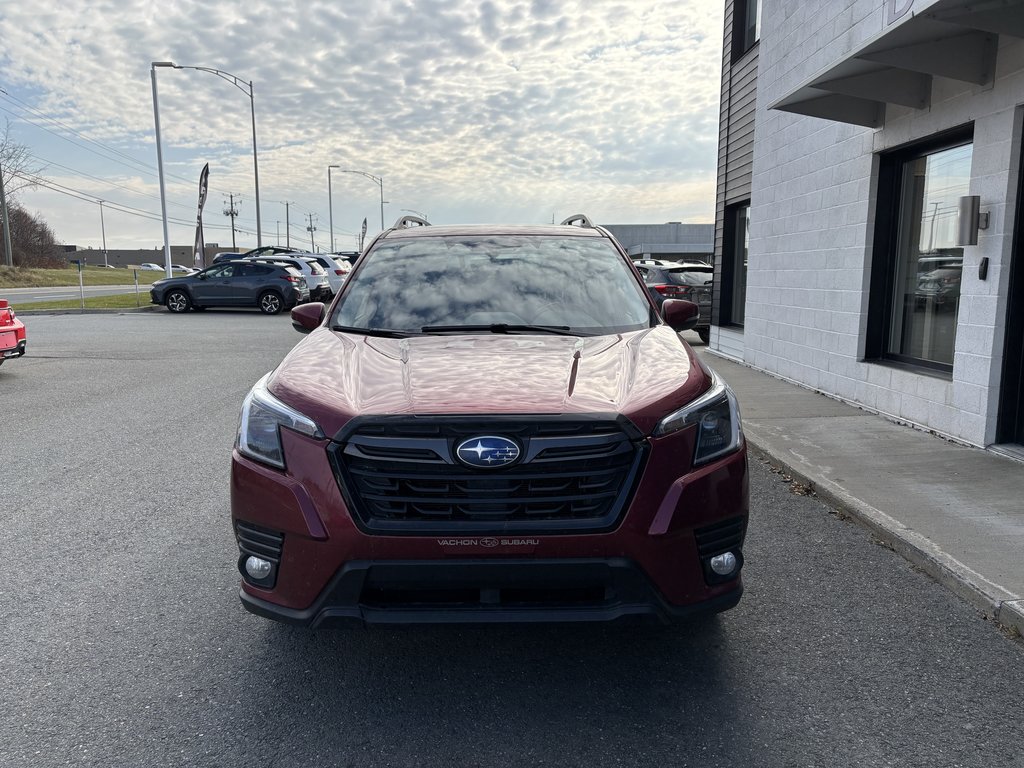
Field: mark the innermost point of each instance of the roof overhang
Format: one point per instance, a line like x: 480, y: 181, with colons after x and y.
x: 948, y: 38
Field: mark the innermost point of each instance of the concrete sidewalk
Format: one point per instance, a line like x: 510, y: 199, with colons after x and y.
x: 956, y: 512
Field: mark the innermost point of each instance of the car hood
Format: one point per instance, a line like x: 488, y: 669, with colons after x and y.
x: 332, y: 377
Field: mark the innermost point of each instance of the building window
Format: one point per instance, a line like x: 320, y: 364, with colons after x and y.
x: 915, y: 291
x: 746, y: 26
x: 734, y: 263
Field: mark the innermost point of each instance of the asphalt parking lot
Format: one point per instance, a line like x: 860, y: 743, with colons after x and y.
x: 123, y: 641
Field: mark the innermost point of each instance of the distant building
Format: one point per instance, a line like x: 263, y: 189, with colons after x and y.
x: 671, y: 241
x: 180, y: 254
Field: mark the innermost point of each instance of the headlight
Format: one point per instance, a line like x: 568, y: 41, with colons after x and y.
x: 717, y: 417
x: 263, y: 415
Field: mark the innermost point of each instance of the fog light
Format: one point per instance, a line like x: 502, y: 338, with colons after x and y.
x: 722, y: 565
x: 258, y: 568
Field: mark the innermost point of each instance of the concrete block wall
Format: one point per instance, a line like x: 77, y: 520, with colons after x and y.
x: 812, y: 226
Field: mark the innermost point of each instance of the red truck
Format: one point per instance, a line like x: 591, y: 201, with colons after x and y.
x: 12, y: 333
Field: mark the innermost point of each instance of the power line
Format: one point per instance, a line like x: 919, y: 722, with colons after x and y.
x: 119, y: 207
x: 53, y: 121
x: 132, y: 163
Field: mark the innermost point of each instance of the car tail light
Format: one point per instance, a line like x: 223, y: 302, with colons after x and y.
x: 293, y: 278
x: 670, y: 291
x: 339, y: 272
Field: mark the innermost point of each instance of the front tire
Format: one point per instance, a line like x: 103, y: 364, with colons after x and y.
x: 270, y: 303
x: 178, y: 302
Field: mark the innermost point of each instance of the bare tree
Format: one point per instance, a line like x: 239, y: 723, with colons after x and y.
x: 33, y: 241
x: 29, y: 241
x: 18, y: 166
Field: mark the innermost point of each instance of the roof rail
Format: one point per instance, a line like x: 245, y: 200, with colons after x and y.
x: 410, y: 221
x: 578, y: 219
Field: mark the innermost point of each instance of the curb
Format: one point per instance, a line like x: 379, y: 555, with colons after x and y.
x: 995, y: 602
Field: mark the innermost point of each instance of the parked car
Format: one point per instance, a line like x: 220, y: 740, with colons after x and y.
x: 349, y: 256
x: 316, y: 276
x: 687, y: 280
x: 529, y: 440
x: 670, y: 262
x: 266, y: 250
x: 336, y: 269
x: 271, y: 287
x: 938, y: 279
x: 183, y: 269
x: 150, y: 267
x: 12, y: 333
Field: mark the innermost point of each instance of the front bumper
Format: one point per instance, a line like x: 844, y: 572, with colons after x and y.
x: 488, y: 592
x: 653, y: 563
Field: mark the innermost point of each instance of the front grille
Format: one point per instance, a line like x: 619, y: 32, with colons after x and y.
x: 401, y: 475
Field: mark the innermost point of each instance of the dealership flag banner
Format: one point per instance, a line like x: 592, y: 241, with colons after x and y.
x: 362, y: 236
x: 199, y: 251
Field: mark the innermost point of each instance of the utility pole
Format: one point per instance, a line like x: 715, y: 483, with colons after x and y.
x: 103, y: 231
x: 311, y: 229
x: 287, y: 223
x: 232, y: 211
x: 8, y: 253
x: 279, y: 232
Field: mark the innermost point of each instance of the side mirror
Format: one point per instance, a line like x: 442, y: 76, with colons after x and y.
x: 202, y: 275
x: 306, y: 317
x: 680, y: 314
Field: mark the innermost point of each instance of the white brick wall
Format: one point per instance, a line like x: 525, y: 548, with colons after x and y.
x: 811, y: 225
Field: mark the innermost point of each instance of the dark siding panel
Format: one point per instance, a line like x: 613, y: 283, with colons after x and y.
x: 735, y: 141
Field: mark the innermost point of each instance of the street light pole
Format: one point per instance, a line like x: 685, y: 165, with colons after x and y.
x: 380, y: 182
x: 160, y: 162
x: 247, y: 89
x: 103, y: 231
x: 330, y: 205
x: 255, y: 168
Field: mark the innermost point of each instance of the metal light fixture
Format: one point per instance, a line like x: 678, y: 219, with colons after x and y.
x: 380, y: 182
x: 330, y: 205
x: 246, y: 88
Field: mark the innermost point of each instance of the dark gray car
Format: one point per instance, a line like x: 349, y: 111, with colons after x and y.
x: 270, y: 287
x: 687, y: 280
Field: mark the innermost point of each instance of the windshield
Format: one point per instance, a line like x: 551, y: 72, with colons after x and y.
x: 577, y: 283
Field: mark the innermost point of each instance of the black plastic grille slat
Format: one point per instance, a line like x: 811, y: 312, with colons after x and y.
x: 253, y: 540
x: 580, y: 473
x: 721, y: 537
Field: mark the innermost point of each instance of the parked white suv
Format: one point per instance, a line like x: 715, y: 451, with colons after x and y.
x: 337, y: 269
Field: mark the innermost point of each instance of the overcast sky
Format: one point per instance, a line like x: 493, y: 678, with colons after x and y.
x: 494, y: 111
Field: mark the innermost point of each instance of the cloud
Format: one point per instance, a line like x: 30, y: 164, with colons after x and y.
x: 468, y: 110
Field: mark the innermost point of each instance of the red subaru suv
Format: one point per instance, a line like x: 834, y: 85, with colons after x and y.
x: 490, y: 424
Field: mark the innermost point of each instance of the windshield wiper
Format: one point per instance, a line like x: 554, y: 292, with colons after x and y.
x: 559, y: 330
x: 386, y: 333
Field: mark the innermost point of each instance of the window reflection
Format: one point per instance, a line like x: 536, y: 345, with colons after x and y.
x: 929, y: 264
x: 580, y: 282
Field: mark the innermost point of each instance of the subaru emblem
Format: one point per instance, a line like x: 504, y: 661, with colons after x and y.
x: 487, y: 452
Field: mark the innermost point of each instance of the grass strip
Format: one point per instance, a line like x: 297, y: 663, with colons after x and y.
x: 19, y: 277
x: 117, y: 301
